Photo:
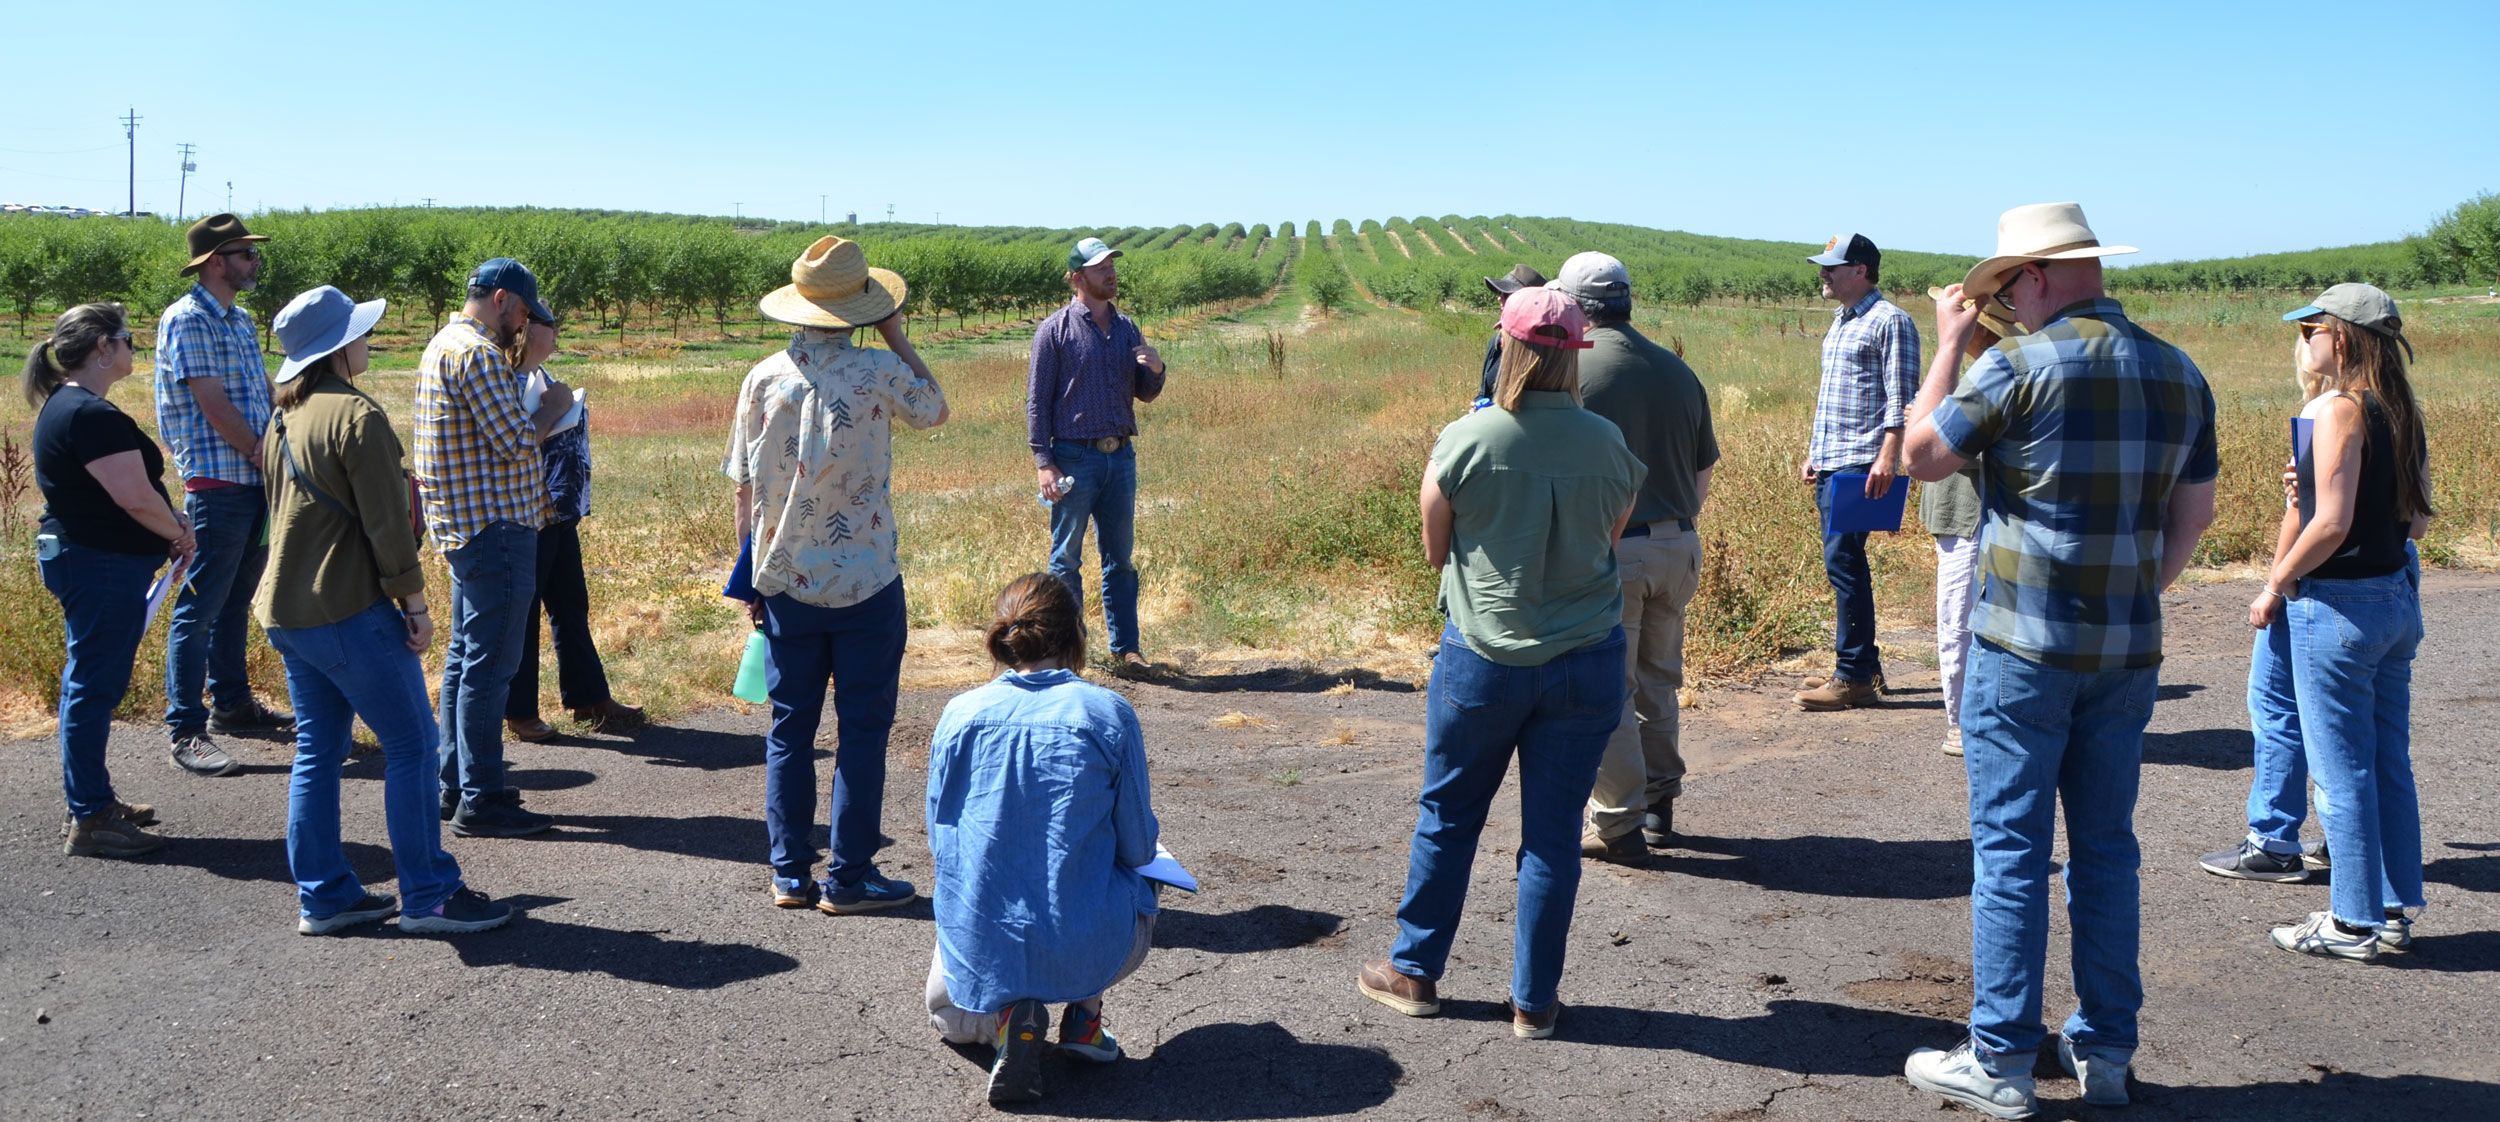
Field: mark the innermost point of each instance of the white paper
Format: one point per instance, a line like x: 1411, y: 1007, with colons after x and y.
x: 537, y: 392
x: 1167, y: 868
x: 164, y: 586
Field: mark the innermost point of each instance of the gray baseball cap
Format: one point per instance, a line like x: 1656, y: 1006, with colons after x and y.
x: 1592, y: 276
x: 2361, y: 305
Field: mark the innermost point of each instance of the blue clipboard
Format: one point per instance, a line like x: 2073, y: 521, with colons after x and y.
x: 1849, y: 511
x: 741, y: 584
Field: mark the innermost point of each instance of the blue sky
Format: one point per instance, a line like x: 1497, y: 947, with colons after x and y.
x: 2189, y: 129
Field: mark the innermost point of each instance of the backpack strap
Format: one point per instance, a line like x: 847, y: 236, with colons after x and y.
x: 277, y: 421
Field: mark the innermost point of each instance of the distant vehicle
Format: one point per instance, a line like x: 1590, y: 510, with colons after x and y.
x: 11, y: 208
x: 71, y: 211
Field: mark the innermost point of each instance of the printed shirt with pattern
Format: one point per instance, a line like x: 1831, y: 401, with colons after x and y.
x: 1870, y: 376
x: 198, y: 338
x: 814, y: 438
x: 2082, y: 431
x: 477, y: 450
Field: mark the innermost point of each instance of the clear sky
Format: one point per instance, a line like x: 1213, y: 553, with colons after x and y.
x: 2188, y: 128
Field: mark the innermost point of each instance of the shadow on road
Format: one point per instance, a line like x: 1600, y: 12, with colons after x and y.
x: 2218, y: 749
x: 719, y: 837
x: 2473, y: 874
x: 664, y: 746
x: 1893, y: 870
x: 537, y: 943
x: 1221, y: 1072
x: 265, y: 859
x: 549, y: 778
x: 2337, y: 1094
x: 2176, y: 691
x: 1280, y: 680
x: 2467, y: 952
x: 1268, y: 927
x: 1805, y: 1037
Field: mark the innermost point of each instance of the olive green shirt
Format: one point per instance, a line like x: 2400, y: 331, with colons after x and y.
x: 1664, y: 413
x: 323, y: 566
x: 1534, y: 496
x: 1950, y: 506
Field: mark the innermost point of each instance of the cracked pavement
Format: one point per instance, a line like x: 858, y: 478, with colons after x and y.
x: 1811, y: 931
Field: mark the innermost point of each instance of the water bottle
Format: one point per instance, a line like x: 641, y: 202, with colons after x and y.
x: 754, y: 670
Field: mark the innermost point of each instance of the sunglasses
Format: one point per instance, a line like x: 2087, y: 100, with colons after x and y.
x: 2309, y: 329
x: 251, y: 251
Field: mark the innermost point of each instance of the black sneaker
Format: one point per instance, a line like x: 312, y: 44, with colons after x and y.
x: 497, y: 815
x: 1016, y: 1077
x: 462, y: 912
x: 451, y: 802
x: 251, y: 717
x: 375, y: 906
x: 2250, y: 862
x: 1658, y: 824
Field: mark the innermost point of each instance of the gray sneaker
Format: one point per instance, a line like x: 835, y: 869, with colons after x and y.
x: 2104, y: 1080
x: 1959, y: 1076
x: 194, y: 752
x: 374, y: 906
x: 2253, y: 862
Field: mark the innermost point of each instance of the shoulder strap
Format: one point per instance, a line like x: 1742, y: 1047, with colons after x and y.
x: 277, y: 421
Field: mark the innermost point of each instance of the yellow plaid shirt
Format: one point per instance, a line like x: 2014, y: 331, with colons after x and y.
x: 477, y: 452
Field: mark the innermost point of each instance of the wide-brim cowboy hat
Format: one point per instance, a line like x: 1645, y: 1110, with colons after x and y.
x: 2038, y: 232
x: 213, y: 233
x: 1994, y: 324
x: 315, y: 324
x: 832, y: 285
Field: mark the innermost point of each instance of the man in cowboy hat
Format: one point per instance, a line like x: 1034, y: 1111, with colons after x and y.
x: 485, y: 500
x: 1090, y: 365
x: 815, y: 517
x: 1504, y: 287
x: 212, y: 401
x: 1870, y: 373
x: 2098, y: 478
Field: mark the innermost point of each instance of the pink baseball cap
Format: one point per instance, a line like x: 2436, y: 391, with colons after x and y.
x: 1547, y: 318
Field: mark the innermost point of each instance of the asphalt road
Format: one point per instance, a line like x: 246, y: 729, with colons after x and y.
x: 1813, y: 931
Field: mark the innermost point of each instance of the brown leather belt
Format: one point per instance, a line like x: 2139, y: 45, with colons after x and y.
x: 1110, y: 443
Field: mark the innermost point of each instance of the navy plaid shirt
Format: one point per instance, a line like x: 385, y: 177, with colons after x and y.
x: 1084, y: 379
x: 1870, y: 376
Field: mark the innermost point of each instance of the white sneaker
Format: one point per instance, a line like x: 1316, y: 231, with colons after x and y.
x: 2396, y: 935
x: 1953, y: 741
x: 2319, y: 936
x: 2104, y: 1080
x: 1958, y: 1075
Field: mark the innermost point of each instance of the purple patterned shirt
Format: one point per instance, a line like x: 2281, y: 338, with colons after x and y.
x: 1084, y: 379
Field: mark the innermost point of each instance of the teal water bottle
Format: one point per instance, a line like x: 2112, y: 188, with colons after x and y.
x: 753, y: 670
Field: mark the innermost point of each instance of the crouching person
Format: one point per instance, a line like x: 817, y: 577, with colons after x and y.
x: 1038, y: 819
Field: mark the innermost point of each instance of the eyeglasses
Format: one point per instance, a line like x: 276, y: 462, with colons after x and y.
x: 251, y: 251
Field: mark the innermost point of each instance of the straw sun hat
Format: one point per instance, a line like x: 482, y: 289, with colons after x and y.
x: 2039, y: 232
x: 831, y: 285
x: 1994, y: 324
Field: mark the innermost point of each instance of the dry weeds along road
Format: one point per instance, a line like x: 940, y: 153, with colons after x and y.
x: 1811, y: 932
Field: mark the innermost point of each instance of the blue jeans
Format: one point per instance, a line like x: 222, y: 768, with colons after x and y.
x: 2032, y: 737
x: 2352, y: 644
x: 2278, y: 790
x: 1559, y: 717
x: 493, y: 576
x: 213, y: 611
x: 361, y: 667
x: 858, y: 651
x: 1103, y: 488
x: 1854, y: 654
x: 102, y: 595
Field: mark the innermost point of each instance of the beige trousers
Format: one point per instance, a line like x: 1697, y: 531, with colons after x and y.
x: 963, y: 1026
x: 1643, y: 764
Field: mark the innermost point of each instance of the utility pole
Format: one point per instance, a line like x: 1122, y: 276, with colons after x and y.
x: 229, y: 196
x: 941, y: 218
x: 820, y: 210
x: 737, y: 211
x: 182, y: 192
x: 429, y: 202
x: 889, y: 212
x: 130, y: 132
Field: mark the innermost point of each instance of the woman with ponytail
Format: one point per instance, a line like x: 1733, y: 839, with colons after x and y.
x: 107, y: 528
x: 1039, y: 819
x: 2330, y: 683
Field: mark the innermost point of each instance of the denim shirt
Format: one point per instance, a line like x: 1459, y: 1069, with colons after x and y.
x: 1038, y: 819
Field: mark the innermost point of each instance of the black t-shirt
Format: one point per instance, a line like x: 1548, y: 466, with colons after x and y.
x: 77, y: 428
x: 2375, y: 546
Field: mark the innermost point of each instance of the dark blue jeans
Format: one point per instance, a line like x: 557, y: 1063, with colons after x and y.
x: 581, y: 679
x: 213, y: 612
x: 858, y: 651
x: 361, y: 667
x: 1854, y: 655
x: 1558, y: 717
x: 493, y: 576
x: 1103, y: 490
x: 103, y: 595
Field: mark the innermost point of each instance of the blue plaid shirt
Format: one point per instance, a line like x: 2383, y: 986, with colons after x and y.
x: 2085, y: 427
x: 197, y: 338
x: 1870, y: 376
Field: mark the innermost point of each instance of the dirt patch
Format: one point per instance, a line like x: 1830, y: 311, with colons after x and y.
x: 1925, y: 984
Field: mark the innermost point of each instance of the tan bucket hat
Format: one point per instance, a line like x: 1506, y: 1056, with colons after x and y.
x: 1994, y: 324
x: 831, y: 285
x: 2038, y: 232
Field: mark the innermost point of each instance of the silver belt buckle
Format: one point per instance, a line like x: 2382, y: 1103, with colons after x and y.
x: 1109, y: 443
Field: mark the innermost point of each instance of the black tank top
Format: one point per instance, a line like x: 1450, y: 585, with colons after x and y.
x: 2376, y: 545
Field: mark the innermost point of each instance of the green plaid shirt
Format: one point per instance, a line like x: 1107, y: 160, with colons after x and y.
x: 2081, y: 430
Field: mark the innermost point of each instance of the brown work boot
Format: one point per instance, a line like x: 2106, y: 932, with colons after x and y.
x: 109, y: 835
x: 1534, y: 1026
x: 1838, y: 693
x: 1816, y: 682
x: 1625, y: 848
x: 609, y: 714
x: 530, y: 730
x: 1405, y: 993
x: 137, y: 814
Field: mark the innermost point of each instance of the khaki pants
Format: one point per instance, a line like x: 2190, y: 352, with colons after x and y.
x: 963, y: 1026
x: 1643, y: 764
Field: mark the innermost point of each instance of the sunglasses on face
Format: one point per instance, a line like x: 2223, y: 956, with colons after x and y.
x: 2309, y: 330
x: 251, y: 251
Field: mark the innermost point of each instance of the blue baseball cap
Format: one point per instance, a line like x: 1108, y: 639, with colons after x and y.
x: 515, y: 278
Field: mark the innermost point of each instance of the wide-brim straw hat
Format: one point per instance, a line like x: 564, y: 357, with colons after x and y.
x: 831, y: 285
x: 2038, y: 232
x: 1994, y: 324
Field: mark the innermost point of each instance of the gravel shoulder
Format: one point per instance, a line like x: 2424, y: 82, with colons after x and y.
x: 1813, y: 930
